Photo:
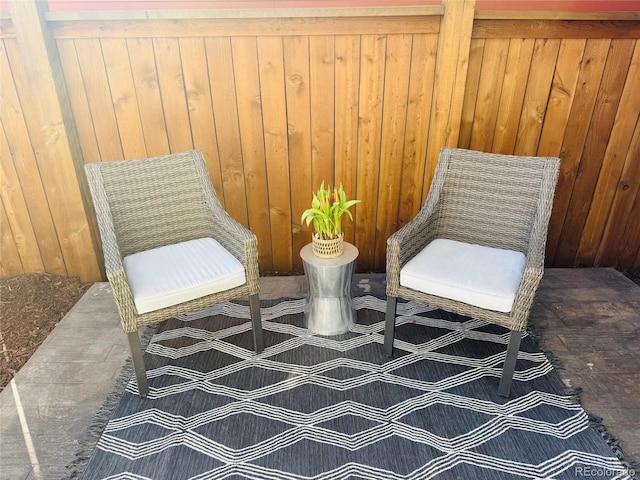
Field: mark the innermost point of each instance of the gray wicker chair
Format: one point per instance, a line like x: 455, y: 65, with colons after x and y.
x: 151, y: 207
x: 478, y: 199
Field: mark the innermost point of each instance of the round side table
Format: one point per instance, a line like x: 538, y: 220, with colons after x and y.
x: 329, y: 309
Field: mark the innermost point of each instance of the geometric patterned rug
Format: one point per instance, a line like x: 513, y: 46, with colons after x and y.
x: 314, y: 407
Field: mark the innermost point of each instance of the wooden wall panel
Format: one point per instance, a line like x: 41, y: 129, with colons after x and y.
x: 598, y: 137
x: 421, y: 82
x: 372, y: 67
x: 321, y: 93
x: 563, y: 89
x: 199, y: 101
x: 221, y: 75
x: 123, y: 97
x: 576, y: 98
x: 494, y: 59
x: 621, y: 226
x: 248, y: 96
x: 23, y: 253
x: 347, y: 87
x: 392, y: 136
x: 512, y: 95
x: 19, y: 152
x: 150, y: 107
x: 625, y: 123
x: 279, y: 105
x: 298, y: 90
x: 274, y: 118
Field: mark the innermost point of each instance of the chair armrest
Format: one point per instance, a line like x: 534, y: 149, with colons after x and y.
x: 534, y: 266
x: 407, y: 242
x: 113, y: 260
x: 525, y: 296
x: 241, y: 242
x: 114, y: 267
x: 533, y: 272
x: 231, y: 234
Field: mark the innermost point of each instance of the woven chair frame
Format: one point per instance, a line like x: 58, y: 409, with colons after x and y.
x: 501, y: 201
x: 152, y: 202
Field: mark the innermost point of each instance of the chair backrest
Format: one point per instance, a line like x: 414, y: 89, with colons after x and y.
x: 494, y: 200
x: 152, y: 202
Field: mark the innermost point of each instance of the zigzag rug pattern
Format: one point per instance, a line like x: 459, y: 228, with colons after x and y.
x: 313, y: 407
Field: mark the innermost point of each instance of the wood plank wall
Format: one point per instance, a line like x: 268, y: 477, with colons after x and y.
x: 567, y: 89
x: 278, y: 105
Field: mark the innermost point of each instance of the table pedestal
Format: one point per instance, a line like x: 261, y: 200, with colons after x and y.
x: 329, y: 309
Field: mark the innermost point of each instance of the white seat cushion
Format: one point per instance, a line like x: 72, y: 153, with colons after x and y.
x: 174, y: 274
x: 482, y: 276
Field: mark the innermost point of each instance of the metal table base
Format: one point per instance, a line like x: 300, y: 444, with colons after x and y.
x: 329, y: 309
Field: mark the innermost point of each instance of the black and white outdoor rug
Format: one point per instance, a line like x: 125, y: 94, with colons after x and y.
x: 313, y: 407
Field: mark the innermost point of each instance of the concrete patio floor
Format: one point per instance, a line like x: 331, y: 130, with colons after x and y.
x: 589, y: 318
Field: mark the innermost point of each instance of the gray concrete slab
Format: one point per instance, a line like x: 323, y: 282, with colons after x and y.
x: 45, y: 411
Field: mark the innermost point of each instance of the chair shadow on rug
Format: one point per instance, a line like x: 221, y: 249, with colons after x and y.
x: 169, y: 246
x: 477, y: 246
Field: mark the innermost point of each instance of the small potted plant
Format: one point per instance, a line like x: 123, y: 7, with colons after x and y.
x: 327, y: 208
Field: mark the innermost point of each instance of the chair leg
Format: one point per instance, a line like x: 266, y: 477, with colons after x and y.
x: 256, y: 322
x: 390, y: 325
x: 510, y: 363
x: 138, y: 363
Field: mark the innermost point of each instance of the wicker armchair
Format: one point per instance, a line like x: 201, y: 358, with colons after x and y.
x: 489, y: 214
x: 169, y: 246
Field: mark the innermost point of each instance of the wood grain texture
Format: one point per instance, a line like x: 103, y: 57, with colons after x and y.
x: 321, y: 93
x: 562, y: 96
x: 123, y: 97
x: 174, y: 101
x: 299, y: 105
x: 474, y: 70
x: 625, y: 123
x: 394, y: 120
x: 278, y: 105
x: 543, y: 62
x: 145, y: 78
x: 225, y: 112
x: 598, y: 137
x: 247, y: 26
x: 494, y: 61
x: 512, y: 95
x: 20, y: 153
x: 249, y: 100
x: 274, y: 117
x: 592, y: 68
x: 558, y: 29
x: 620, y: 222
x: 423, y: 62
x: 79, y: 101
x: 23, y: 253
x: 35, y: 66
x: 199, y: 101
x: 372, y: 68
x: 346, y: 107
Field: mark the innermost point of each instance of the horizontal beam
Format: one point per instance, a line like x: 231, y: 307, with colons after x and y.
x: 247, y: 13
x: 246, y: 27
x: 554, y: 15
x: 556, y: 29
